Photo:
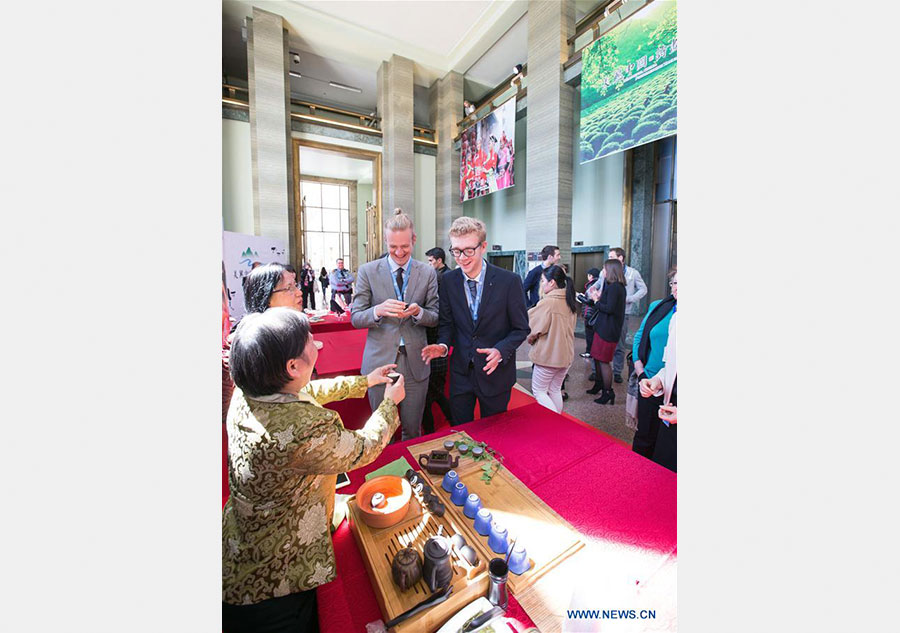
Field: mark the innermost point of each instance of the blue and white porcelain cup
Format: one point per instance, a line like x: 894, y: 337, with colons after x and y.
x: 459, y: 494
x: 483, y: 521
x: 449, y: 480
x: 518, y: 560
x: 497, y: 540
x: 473, y: 505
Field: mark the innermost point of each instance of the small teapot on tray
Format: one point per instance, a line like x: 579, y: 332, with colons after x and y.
x: 438, y: 462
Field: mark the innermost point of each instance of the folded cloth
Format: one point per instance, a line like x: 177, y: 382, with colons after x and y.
x: 397, y: 467
x: 340, y: 511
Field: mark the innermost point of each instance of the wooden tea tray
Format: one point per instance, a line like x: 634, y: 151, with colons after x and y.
x: 548, y: 538
x: 378, y: 547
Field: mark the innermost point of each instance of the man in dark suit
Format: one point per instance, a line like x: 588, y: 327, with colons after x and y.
x: 437, y: 379
x: 549, y: 256
x: 483, y: 317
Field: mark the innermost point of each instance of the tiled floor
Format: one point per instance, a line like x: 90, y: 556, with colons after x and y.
x: 608, y: 418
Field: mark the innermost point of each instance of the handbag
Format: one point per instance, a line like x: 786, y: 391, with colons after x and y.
x: 631, y: 396
x: 592, y: 315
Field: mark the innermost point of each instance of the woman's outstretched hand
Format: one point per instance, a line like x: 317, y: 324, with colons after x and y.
x: 379, y: 376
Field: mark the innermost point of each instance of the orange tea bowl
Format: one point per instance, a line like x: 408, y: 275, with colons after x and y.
x: 397, y: 494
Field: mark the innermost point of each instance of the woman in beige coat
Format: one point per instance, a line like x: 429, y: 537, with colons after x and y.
x: 552, y: 338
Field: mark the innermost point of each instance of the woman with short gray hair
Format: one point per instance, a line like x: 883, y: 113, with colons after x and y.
x: 284, y: 453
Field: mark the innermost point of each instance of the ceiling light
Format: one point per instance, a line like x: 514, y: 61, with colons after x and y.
x: 335, y: 84
x: 296, y: 58
x: 296, y: 74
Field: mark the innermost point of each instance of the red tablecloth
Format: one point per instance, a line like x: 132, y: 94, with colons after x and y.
x: 341, y: 353
x: 331, y: 323
x: 562, y: 460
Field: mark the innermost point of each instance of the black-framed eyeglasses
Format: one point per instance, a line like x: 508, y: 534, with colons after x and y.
x: 673, y: 283
x: 468, y: 252
x: 288, y: 289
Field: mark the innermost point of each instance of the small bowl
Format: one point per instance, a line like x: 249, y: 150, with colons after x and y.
x: 449, y: 480
x: 477, y: 451
x: 472, y: 506
x: 449, y: 445
x: 497, y: 540
x: 518, y: 560
x: 396, y: 490
x: 463, y: 449
x: 483, y: 520
x: 460, y: 493
x: 436, y: 507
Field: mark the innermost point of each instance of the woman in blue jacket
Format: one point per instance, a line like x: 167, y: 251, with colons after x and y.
x: 649, y: 344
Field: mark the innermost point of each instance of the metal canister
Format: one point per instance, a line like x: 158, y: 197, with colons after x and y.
x: 497, y: 573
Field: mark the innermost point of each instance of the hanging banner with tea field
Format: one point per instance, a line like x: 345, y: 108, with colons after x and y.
x: 629, y: 83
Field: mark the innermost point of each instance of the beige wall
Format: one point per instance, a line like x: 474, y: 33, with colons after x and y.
x: 425, y: 191
x: 237, y: 180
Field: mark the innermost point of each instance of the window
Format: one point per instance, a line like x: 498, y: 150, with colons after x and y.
x: 326, y: 223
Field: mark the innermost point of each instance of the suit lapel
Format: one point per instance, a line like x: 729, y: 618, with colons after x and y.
x: 385, y: 274
x: 460, y: 287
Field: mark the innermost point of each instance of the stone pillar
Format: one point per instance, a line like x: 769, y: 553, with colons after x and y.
x: 548, y: 182
x: 270, y: 128
x: 445, y: 99
x: 395, y: 107
x: 640, y: 241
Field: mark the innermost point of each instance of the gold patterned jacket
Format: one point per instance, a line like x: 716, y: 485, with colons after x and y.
x: 284, y: 454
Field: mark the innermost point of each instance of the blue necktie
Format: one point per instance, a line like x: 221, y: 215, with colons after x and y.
x: 473, y: 290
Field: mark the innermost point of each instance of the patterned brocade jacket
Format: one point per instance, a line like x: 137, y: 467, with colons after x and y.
x: 284, y: 453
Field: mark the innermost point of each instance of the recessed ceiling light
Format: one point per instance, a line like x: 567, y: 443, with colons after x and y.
x: 335, y: 84
x: 296, y: 74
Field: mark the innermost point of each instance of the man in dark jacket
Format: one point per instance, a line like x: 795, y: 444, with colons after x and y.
x: 592, y: 275
x: 438, y: 378
x: 484, y: 318
x: 549, y: 256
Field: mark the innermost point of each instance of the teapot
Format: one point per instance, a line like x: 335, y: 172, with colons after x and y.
x: 438, y: 462
x: 406, y: 568
x: 438, y: 570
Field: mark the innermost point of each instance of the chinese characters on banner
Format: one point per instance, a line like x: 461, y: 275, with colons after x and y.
x: 629, y: 83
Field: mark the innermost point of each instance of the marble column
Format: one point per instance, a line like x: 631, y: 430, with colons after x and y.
x: 445, y: 99
x: 395, y: 107
x: 548, y: 183
x: 640, y: 241
x: 270, y: 128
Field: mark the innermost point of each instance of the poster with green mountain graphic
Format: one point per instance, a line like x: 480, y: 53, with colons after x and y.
x: 629, y: 83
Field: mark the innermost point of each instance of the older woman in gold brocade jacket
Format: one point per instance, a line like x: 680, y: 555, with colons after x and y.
x: 284, y: 452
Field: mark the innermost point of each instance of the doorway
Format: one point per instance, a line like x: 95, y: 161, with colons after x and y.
x: 503, y: 261
x: 583, y: 262
x: 322, y: 173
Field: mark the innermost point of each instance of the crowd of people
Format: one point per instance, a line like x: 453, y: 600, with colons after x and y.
x: 285, y: 448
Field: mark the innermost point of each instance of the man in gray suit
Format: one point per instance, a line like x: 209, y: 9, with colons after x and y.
x: 397, y: 299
